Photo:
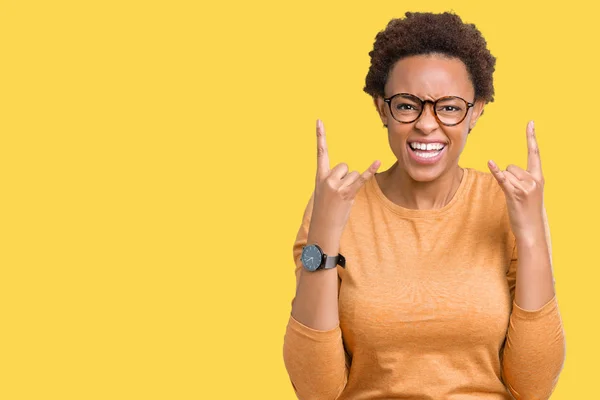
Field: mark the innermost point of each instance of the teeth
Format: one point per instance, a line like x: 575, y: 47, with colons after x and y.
x: 427, y: 155
x: 426, y: 146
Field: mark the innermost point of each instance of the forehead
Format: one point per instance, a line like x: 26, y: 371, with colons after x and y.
x: 430, y: 77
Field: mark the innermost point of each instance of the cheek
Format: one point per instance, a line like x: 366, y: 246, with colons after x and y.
x: 397, y: 140
x: 458, y: 141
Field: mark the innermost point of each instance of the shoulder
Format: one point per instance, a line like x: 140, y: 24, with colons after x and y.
x: 486, y: 203
x: 484, y: 181
x: 485, y: 198
x: 484, y: 188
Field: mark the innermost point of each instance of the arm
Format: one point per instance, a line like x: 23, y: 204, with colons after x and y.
x: 313, y: 350
x: 535, y: 348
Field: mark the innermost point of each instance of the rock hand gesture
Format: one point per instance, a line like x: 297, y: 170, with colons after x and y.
x: 335, y: 190
x: 524, y: 191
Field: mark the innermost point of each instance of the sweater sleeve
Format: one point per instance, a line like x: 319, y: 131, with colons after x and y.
x: 316, y: 361
x: 535, y: 346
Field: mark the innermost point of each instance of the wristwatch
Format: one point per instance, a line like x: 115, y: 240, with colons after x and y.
x: 314, y: 258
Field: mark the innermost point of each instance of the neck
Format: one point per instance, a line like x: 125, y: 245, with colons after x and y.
x: 401, y: 189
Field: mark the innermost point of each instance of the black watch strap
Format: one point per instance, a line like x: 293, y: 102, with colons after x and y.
x: 332, y: 261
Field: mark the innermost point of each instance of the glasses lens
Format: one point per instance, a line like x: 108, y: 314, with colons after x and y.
x: 451, y: 110
x: 406, y: 108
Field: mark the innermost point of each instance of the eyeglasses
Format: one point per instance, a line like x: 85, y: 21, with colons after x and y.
x: 448, y: 110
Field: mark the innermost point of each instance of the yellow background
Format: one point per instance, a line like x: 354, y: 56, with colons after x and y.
x: 156, y: 158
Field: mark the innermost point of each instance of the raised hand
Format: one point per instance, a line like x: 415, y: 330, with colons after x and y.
x: 335, y: 190
x: 524, y: 191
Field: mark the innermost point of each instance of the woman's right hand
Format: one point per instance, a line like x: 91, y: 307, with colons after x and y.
x: 334, y: 195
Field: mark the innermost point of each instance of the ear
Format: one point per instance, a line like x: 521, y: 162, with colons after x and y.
x: 477, y: 112
x: 380, y: 106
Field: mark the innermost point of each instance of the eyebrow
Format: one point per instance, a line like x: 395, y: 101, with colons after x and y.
x: 425, y: 100
x: 431, y: 98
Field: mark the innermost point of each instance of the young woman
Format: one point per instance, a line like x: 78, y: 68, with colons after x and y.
x: 428, y: 280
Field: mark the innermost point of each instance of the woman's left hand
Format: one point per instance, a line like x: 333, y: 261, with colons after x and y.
x: 524, y: 191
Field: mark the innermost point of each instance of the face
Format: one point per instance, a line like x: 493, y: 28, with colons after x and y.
x: 428, y: 77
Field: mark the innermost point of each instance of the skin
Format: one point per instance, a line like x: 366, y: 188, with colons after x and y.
x: 524, y: 192
x: 429, y: 77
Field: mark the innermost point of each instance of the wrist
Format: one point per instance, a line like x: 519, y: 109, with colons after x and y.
x: 531, y: 239
x: 330, y: 244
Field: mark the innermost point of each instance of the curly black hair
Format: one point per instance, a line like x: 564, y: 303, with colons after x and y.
x: 429, y: 33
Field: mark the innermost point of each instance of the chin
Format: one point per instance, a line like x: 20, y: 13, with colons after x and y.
x: 424, y: 174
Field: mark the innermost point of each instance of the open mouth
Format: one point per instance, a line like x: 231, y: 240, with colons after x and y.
x: 426, y: 150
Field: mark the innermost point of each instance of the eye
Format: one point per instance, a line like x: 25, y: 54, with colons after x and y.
x: 449, y: 109
x: 405, y: 106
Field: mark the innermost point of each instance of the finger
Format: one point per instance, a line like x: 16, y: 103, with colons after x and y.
x: 339, y: 171
x: 365, y: 176
x: 349, y: 179
x: 322, y: 152
x: 518, y: 172
x: 516, y: 183
x: 500, y: 177
x: 534, y: 162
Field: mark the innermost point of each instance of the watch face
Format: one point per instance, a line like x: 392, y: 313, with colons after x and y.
x: 311, y: 257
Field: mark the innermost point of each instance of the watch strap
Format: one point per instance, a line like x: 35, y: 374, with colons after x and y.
x: 333, y: 261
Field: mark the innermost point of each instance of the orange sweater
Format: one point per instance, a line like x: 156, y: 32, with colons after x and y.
x: 426, y: 307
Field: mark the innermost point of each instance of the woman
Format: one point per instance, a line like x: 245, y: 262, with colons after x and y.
x: 428, y: 280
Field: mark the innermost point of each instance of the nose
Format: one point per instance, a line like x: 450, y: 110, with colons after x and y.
x: 427, y: 122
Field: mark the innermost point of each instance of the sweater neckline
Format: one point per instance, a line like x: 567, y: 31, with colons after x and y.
x: 373, y: 187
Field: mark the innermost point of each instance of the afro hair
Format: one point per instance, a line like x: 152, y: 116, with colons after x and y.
x: 429, y: 33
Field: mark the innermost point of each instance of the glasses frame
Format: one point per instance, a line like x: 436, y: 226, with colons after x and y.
x: 423, y: 103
